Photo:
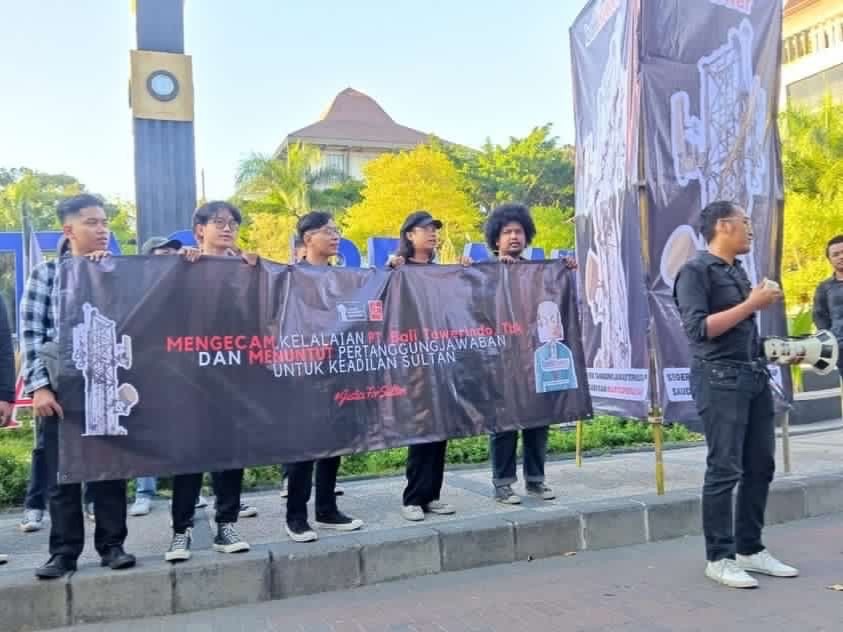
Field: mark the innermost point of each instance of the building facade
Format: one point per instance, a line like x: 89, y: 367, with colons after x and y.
x: 354, y: 130
x: 812, y: 52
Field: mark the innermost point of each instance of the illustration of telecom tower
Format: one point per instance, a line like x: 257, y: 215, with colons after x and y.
x: 98, y: 355
x: 723, y: 148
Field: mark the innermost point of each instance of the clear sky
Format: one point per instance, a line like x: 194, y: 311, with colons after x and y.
x: 463, y: 69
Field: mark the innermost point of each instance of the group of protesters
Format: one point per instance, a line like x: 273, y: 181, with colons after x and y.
x: 509, y: 230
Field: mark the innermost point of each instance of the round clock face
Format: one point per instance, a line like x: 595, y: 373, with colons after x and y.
x: 162, y: 85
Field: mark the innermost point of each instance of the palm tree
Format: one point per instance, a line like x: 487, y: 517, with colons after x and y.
x: 283, y: 186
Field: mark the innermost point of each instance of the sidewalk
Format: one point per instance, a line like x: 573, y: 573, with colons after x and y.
x: 619, y: 488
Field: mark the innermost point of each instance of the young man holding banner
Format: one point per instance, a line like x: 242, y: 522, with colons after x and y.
x: 321, y: 239
x: 509, y: 230
x: 730, y: 385
x: 419, y: 238
x: 215, y: 225
x: 85, y: 226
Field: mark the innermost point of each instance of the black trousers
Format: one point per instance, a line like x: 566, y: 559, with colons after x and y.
x: 504, y: 449
x: 425, y: 473
x: 299, y: 482
x: 186, y: 488
x: 67, y: 528
x: 736, y: 406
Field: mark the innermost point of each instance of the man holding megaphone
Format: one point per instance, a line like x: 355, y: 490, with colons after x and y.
x: 730, y: 385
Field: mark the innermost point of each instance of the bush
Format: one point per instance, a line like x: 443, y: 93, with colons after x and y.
x: 600, y: 433
x: 15, y: 454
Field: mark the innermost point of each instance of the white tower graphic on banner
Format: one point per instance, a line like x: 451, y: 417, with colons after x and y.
x: 98, y: 355
x: 604, y: 180
x: 723, y: 148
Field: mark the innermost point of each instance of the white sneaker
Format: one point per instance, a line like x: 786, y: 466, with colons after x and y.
x: 3, y: 558
x: 413, y: 513
x: 141, y: 507
x: 728, y: 573
x: 440, y: 508
x: 201, y: 502
x: 506, y: 496
x: 33, y: 520
x: 765, y: 564
x: 247, y: 511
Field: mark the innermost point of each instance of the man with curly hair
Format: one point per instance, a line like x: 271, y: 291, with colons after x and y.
x: 509, y: 231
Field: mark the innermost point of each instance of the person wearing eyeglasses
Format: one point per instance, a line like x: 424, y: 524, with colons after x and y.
x: 321, y: 239
x: 730, y: 385
x: 215, y: 225
x: 425, y: 469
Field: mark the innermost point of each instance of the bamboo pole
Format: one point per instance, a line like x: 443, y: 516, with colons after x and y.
x: 579, y: 442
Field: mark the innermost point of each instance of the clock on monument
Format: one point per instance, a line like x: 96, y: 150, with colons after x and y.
x: 161, y: 86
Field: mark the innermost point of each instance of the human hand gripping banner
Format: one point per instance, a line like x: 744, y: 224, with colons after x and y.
x: 170, y: 367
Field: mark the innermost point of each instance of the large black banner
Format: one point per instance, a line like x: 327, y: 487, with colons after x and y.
x: 710, y: 91
x: 169, y: 367
x: 604, y: 53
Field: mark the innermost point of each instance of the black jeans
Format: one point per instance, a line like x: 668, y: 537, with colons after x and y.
x: 67, y: 529
x: 736, y: 406
x: 186, y: 488
x: 38, y: 487
x: 503, y: 447
x: 425, y: 473
x: 299, y: 482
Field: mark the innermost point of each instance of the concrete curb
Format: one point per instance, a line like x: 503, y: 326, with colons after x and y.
x: 287, y: 569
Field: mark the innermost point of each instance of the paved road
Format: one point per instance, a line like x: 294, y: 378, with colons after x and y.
x: 648, y: 588
x: 378, y: 501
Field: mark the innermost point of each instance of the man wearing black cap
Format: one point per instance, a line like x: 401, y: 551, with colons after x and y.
x: 321, y: 239
x: 425, y: 462
x: 161, y: 246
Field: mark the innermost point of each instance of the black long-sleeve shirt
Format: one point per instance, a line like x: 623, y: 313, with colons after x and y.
x: 7, y: 357
x: 708, y: 285
x: 828, y: 307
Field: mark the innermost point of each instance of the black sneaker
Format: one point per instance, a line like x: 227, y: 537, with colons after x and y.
x: 300, y: 531
x: 228, y: 540
x: 540, y: 490
x: 179, y: 550
x: 338, y: 521
x: 57, y: 566
x: 117, y: 559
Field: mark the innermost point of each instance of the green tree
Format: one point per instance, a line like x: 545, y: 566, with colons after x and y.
x: 397, y: 184
x: 533, y: 170
x: 554, y: 227
x: 289, y: 186
x: 812, y: 158
x: 36, y: 192
x: 123, y: 223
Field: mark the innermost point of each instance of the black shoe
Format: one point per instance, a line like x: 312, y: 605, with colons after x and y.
x: 300, y: 531
x: 57, y: 566
x: 228, y: 540
x: 117, y: 559
x: 179, y: 550
x: 338, y: 521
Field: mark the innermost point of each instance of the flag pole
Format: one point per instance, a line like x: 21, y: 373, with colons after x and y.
x: 655, y: 417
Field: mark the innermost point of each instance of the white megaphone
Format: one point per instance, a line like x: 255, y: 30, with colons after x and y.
x: 818, y: 351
